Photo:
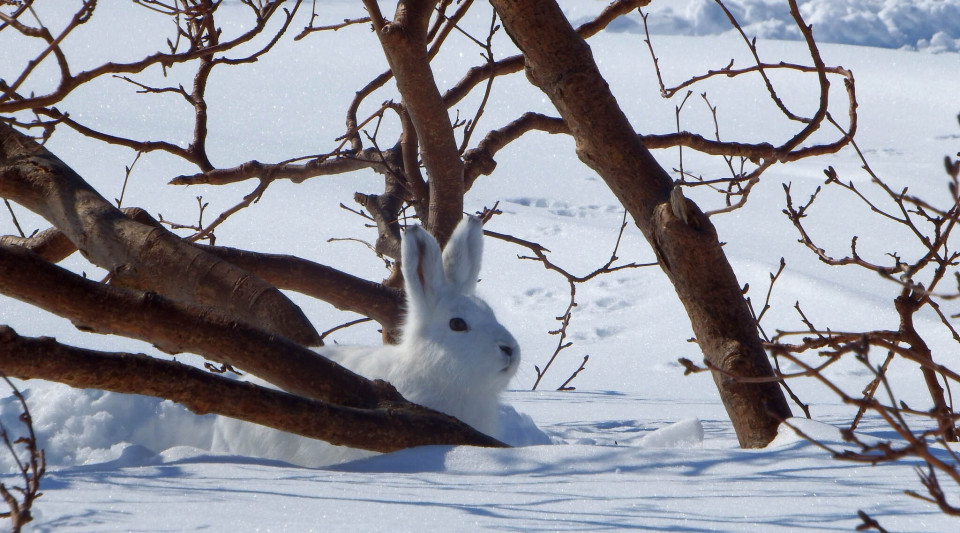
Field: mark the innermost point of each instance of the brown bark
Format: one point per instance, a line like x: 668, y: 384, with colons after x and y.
x: 344, y: 291
x: 404, y: 42
x: 340, y: 289
x: 907, y: 304
x: 296, y: 172
x: 382, y: 429
x: 176, y: 327
x: 480, y: 160
x: 138, y: 255
x: 50, y: 244
x: 561, y: 64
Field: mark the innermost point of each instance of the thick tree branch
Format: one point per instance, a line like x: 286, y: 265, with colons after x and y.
x: 340, y: 289
x: 383, y: 429
x: 404, y: 42
x: 51, y: 244
x: 344, y: 291
x: 175, y: 327
x: 138, y: 255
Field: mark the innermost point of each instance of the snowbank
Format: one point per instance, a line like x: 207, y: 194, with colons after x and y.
x: 928, y: 25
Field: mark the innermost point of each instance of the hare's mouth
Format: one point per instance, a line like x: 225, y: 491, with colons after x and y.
x: 510, y: 357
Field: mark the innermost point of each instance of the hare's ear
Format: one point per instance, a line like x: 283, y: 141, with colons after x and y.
x: 422, y: 267
x: 461, y: 257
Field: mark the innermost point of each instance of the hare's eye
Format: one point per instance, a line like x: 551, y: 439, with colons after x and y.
x: 458, y: 324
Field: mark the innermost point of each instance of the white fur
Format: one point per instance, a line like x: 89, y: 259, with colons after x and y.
x: 460, y: 373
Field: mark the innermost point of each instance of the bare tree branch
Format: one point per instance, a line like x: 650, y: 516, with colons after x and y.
x: 383, y: 428
x: 51, y: 244
x: 404, y: 41
x: 31, y: 469
x: 176, y: 327
x: 137, y: 255
x: 344, y: 291
x: 11, y: 102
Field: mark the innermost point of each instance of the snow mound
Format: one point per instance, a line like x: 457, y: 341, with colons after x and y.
x: 929, y: 25
x: 85, y: 427
x: 518, y: 429
x: 684, y: 434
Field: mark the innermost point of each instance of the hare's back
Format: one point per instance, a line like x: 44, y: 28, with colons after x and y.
x: 372, y: 362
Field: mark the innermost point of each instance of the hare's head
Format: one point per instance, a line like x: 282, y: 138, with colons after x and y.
x: 446, y: 322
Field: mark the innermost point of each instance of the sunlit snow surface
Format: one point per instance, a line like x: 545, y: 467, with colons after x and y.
x: 637, y: 445
x: 930, y: 25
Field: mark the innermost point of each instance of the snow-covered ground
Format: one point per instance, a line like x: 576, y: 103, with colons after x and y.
x: 917, y: 25
x: 637, y: 445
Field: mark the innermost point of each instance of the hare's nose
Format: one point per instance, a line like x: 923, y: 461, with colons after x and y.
x: 507, y: 350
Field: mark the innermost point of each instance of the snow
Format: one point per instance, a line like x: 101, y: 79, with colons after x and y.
x: 929, y: 25
x: 637, y: 445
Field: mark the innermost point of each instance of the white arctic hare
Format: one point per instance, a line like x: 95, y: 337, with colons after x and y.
x: 453, y: 355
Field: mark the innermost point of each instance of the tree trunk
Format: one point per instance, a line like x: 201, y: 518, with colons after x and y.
x: 561, y: 64
x: 404, y: 41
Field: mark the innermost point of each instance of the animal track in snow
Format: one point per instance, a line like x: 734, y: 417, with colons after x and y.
x: 612, y: 303
x: 883, y: 151
x: 594, y: 334
x: 529, y: 202
x: 564, y: 209
x: 606, y: 332
x: 535, y: 297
